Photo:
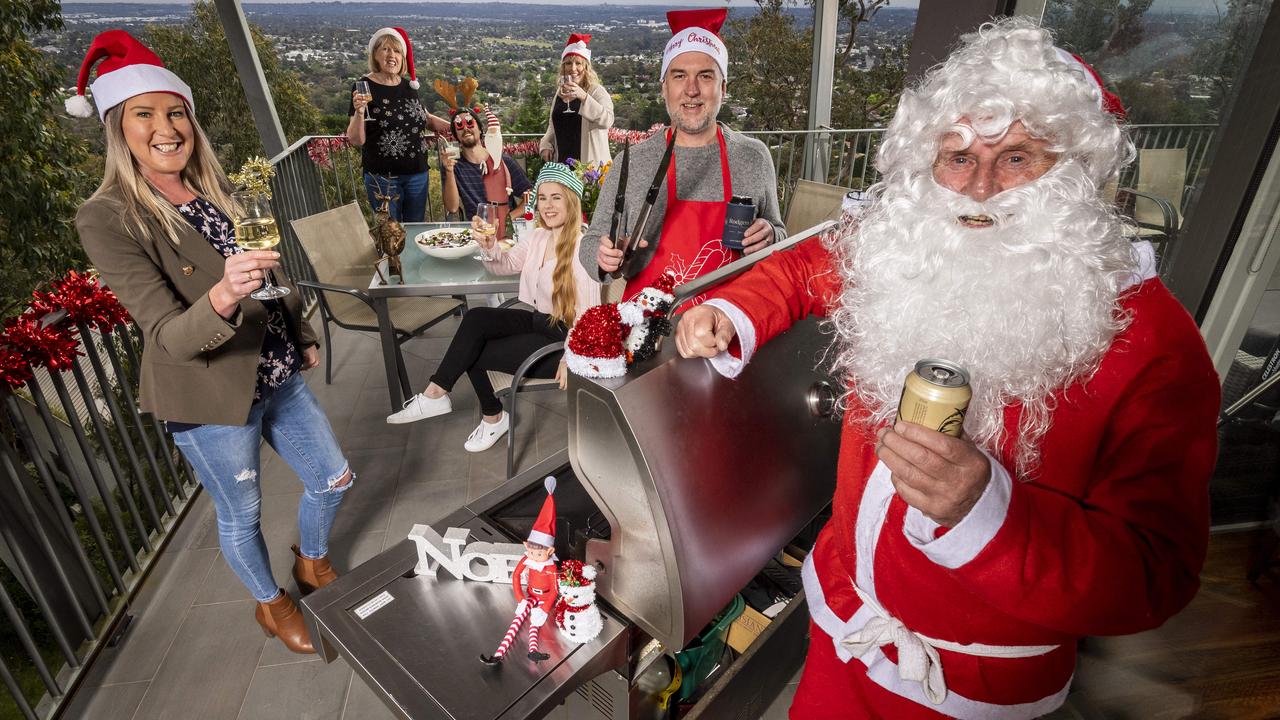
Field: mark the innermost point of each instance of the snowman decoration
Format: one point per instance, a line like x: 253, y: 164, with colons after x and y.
x: 577, y: 617
x: 646, y: 317
x: 608, y: 339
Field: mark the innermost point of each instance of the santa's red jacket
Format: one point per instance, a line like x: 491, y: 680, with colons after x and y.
x: 1107, y: 538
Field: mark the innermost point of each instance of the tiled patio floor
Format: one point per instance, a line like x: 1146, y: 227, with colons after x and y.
x: 194, y: 650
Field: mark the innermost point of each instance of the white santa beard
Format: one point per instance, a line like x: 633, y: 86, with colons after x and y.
x: 1026, y: 306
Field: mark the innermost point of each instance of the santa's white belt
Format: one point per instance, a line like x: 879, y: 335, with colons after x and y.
x: 918, y: 661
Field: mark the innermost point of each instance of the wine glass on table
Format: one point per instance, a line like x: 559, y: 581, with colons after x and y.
x: 366, y: 94
x: 256, y: 230
x: 487, y: 212
x: 565, y: 81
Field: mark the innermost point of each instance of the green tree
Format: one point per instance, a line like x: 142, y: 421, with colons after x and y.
x: 1099, y: 29
x: 198, y: 52
x: 42, y: 178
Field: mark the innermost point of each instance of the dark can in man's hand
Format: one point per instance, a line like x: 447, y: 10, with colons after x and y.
x: 738, y: 216
x: 936, y: 395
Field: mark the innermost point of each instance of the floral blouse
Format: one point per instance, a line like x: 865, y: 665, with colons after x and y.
x: 280, y: 358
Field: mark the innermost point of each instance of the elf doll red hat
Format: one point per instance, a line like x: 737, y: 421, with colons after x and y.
x: 401, y: 37
x: 544, y: 528
x: 577, y: 45
x: 594, y: 347
x: 128, y: 68
x: 697, y: 31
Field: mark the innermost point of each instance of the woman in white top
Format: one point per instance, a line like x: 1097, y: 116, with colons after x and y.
x: 582, y: 111
x: 551, y: 280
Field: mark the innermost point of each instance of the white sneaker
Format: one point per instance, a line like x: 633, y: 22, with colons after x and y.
x: 486, y: 434
x: 421, y: 407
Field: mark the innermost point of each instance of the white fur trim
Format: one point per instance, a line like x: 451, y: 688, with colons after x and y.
x: 884, y: 672
x: 963, y: 542
x: 724, y: 363
x: 1076, y: 65
x: 696, y: 39
x: 549, y: 484
x: 541, y: 538
x: 1147, y: 265
x: 578, y: 48
x: 415, y: 84
x: 589, y: 572
x: 387, y: 31
x: 79, y: 106
x: 610, y: 367
x: 115, y: 87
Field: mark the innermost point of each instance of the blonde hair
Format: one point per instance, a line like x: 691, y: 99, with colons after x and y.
x: 589, y: 76
x: 123, y: 179
x: 374, y: 67
x: 564, y: 290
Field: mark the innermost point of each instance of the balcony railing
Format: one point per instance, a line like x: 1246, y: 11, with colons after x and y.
x: 312, y: 178
x: 92, y: 489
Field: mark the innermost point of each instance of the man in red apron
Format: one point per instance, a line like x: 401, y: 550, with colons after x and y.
x: 710, y: 164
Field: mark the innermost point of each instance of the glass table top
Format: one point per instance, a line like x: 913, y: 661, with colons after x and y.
x: 425, y: 275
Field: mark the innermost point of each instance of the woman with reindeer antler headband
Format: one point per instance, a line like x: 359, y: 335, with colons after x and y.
x: 482, y: 173
x: 387, y: 124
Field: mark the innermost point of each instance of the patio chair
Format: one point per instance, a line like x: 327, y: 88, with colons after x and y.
x: 507, y: 386
x: 1156, y: 199
x: 813, y: 203
x: 339, y: 248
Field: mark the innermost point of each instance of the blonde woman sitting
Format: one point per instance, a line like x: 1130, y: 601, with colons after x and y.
x: 551, y: 280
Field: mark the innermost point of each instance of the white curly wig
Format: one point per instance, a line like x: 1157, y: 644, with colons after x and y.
x: 1056, y: 99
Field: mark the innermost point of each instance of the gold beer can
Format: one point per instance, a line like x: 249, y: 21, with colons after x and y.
x: 936, y: 395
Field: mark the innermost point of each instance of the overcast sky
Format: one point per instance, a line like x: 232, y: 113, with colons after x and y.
x: 1158, y: 6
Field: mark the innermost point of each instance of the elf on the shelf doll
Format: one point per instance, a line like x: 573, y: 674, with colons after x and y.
x: 534, y: 581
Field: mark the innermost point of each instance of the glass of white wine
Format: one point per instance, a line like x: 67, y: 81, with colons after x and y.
x: 365, y: 93
x: 256, y: 230
x: 565, y: 81
x: 488, y: 214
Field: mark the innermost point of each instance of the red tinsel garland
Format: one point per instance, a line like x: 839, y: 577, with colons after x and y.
x: 84, y: 300
x: 14, y: 368
x: 54, y: 347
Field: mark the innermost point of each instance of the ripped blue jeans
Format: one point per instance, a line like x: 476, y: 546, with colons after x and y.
x: 226, y: 460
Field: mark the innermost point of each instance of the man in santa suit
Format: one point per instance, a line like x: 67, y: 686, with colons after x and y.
x: 709, y: 165
x: 956, y: 575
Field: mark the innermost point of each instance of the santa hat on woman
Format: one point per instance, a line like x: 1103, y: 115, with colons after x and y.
x: 401, y: 37
x: 128, y: 68
x: 577, y: 45
x: 544, y: 528
x: 697, y: 31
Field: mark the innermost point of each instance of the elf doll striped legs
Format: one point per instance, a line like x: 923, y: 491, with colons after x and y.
x: 521, y: 614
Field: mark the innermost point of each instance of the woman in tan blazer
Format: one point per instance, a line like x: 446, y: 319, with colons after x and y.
x: 582, y: 111
x: 221, y: 369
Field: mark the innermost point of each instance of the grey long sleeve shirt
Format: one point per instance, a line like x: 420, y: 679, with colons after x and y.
x: 697, y: 178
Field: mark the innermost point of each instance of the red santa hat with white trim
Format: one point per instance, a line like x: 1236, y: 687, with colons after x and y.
x: 697, y: 31
x: 544, y: 528
x: 594, y: 347
x: 128, y: 68
x: 1107, y: 100
x: 577, y: 45
x: 406, y: 47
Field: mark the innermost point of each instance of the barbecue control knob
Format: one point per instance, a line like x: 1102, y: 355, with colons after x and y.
x: 821, y: 399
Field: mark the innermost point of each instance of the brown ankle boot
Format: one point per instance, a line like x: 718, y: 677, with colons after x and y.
x: 281, y: 618
x: 311, y: 574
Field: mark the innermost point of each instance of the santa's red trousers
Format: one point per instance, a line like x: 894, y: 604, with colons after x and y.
x: 832, y: 690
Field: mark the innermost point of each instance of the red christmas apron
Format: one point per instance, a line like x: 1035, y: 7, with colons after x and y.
x: 689, y: 245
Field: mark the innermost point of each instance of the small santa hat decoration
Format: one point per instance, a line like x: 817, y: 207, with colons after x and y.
x: 697, y: 31
x: 401, y: 37
x: 645, y: 303
x: 128, y: 68
x: 576, y: 573
x: 577, y: 45
x: 1107, y: 100
x: 594, y: 346
x: 544, y: 528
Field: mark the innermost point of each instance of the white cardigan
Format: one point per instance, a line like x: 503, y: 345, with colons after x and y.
x: 597, y: 117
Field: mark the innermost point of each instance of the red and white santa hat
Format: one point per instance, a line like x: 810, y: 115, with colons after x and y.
x: 401, y: 37
x: 697, y: 31
x: 544, y: 528
x: 594, y: 347
x: 1107, y: 100
x: 577, y: 45
x: 128, y: 68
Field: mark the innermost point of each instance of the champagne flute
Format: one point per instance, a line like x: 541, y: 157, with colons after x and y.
x: 256, y: 230
x: 566, y: 79
x: 488, y: 214
x: 366, y: 94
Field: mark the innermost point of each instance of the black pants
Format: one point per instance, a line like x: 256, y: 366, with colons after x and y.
x: 497, y: 339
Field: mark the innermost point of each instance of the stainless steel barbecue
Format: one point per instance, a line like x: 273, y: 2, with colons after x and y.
x: 679, y: 484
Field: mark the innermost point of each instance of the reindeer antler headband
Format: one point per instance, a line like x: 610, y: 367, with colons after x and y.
x: 450, y: 93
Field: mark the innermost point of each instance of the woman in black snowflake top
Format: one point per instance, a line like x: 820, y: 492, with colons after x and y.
x: 389, y: 129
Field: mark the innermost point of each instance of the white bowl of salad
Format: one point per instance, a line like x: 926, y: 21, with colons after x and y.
x: 446, y: 243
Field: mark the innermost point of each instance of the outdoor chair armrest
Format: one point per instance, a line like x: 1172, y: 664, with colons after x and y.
x: 1166, y: 209
x: 326, y: 287
x: 537, y: 355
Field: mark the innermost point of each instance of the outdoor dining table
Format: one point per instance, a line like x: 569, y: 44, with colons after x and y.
x: 425, y: 276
